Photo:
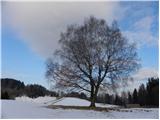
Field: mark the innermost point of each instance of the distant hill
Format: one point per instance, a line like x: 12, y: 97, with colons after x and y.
x: 11, y: 88
x: 9, y: 83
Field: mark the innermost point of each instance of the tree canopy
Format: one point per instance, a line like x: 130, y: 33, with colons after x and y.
x: 91, y: 56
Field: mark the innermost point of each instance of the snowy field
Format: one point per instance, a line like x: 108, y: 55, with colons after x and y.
x: 25, y: 107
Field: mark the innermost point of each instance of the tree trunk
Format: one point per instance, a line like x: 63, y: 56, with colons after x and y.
x: 93, y: 101
x: 92, y: 97
x: 94, y: 92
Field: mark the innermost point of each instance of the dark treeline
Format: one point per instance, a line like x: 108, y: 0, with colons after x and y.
x: 11, y: 88
x: 144, y: 96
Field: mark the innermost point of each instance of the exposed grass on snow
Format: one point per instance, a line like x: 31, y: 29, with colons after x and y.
x: 78, y: 107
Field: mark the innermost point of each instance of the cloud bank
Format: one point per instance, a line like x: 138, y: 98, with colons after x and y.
x: 39, y: 23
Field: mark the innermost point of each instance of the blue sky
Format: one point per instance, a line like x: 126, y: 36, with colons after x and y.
x: 30, y: 33
x: 19, y: 62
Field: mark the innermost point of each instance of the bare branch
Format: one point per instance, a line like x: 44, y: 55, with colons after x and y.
x: 91, y: 55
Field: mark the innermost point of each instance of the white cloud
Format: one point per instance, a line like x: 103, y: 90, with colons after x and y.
x: 141, y: 33
x: 145, y: 73
x: 144, y: 23
x: 140, y: 77
x: 39, y: 23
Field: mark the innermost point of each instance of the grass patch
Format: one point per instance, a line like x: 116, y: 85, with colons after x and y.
x: 78, y: 107
x: 100, y: 109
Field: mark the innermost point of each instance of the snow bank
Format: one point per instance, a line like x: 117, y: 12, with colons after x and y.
x: 24, y: 98
x: 46, y: 100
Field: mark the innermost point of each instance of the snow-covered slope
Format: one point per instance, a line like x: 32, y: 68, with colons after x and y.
x: 79, y: 102
x: 67, y: 101
x: 21, y: 109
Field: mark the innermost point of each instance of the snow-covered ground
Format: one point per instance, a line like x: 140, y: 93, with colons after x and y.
x: 35, y: 108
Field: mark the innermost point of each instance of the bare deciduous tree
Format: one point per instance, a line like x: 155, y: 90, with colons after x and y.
x: 92, y: 55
